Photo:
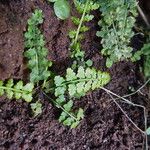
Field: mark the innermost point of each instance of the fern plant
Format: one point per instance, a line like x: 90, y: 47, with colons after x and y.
x: 118, y: 18
x: 36, y: 51
x: 77, y: 82
x: 17, y: 90
x: 77, y: 35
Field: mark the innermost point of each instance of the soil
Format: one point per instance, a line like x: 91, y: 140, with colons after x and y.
x: 104, y: 127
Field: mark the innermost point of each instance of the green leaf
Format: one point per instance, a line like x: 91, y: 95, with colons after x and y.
x: 88, y: 86
x: 146, y: 52
x: 81, y: 73
x: 77, y: 35
x: 18, y: 87
x: 28, y: 87
x: 58, y: 80
x: 27, y: 97
x: 72, y: 89
x: 62, y: 9
x: 109, y: 62
x: 9, y: 94
x: 62, y: 116
x: 74, y: 85
x: 88, y: 73
x: 89, y: 63
x: 10, y: 83
x: 60, y: 91
x: 60, y: 99
x: 9, y: 91
x: 80, y: 88
x: 80, y: 114
x: 36, y: 108
x: 75, y: 20
x: 75, y: 124
x: 68, y: 105
x: 68, y: 121
x: 70, y: 75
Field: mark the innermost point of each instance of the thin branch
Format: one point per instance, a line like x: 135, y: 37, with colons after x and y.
x: 110, y: 93
x: 125, y: 113
x: 122, y: 98
x: 137, y: 90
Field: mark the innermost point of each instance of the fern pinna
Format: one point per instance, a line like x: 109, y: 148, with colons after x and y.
x: 118, y: 18
x: 36, y: 52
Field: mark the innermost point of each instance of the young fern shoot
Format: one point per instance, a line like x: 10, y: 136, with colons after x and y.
x: 36, y: 51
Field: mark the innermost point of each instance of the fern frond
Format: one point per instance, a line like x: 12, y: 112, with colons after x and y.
x: 78, y: 84
x: 118, y: 19
x: 36, y: 52
x: 77, y: 35
x: 17, y: 90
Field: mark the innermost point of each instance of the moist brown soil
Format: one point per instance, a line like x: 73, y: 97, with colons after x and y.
x: 104, y: 126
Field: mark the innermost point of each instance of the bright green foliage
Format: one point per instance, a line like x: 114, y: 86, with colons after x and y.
x: 77, y: 35
x: 36, y: 52
x: 61, y: 8
x: 75, y: 85
x: 78, y: 84
x: 89, y: 4
x: 118, y: 19
x: 17, y: 90
x: 68, y: 117
x: 36, y: 108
